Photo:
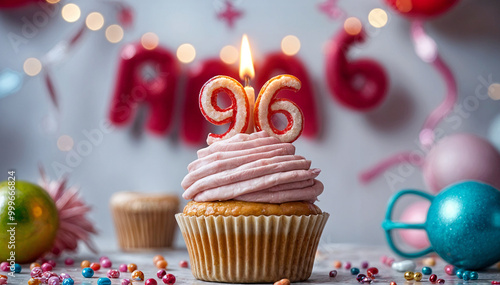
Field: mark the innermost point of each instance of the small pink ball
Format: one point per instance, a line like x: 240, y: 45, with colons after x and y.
x: 36, y: 272
x: 113, y: 273
x: 150, y: 281
x: 4, y: 266
x: 54, y: 280
x: 416, y: 213
x: 461, y: 157
x: 52, y: 262
x: 168, y: 279
x: 102, y: 258
x: 46, y: 267
x: 3, y: 281
x: 106, y: 263
x: 123, y: 267
x: 183, y: 264
x: 161, y: 273
x: 126, y: 281
x: 69, y: 261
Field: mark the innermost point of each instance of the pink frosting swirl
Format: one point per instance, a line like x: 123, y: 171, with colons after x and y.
x: 251, y: 167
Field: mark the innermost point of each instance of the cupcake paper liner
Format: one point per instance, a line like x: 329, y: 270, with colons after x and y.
x: 144, y: 229
x: 252, y: 249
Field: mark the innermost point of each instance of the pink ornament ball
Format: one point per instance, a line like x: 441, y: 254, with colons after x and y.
x: 47, y: 267
x: 416, y: 213
x: 4, y: 266
x: 123, y: 267
x: 461, y: 157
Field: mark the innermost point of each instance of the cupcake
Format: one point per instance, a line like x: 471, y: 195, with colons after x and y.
x: 144, y: 220
x: 252, y: 217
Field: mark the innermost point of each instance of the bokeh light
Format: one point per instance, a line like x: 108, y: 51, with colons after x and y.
x: 352, y: 26
x: 494, y: 91
x: 65, y: 143
x: 229, y: 54
x: 32, y: 66
x: 52, y: 1
x: 377, y: 18
x: 114, y: 34
x: 290, y: 45
x: 186, y: 53
x: 150, y: 40
x: 94, y: 21
x: 71, y: 12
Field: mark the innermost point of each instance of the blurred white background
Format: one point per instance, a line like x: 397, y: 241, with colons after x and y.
x: 468, y: 38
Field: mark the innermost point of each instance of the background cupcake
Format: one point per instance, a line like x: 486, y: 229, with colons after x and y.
x: 144, y: 220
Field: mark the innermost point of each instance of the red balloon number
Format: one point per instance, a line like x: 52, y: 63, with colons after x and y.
x: 361, y: 84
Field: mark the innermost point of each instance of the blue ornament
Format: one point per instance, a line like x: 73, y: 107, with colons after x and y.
x: 426, y: 270
x: 354, y: 271
x: 466, y: 275
x: 16, y: 268
x: 103, y: 281
x: 88, y: 272
x: 463, y: 224
x: 474, y: 275
x: 459, y: 273
x: 68, y: 281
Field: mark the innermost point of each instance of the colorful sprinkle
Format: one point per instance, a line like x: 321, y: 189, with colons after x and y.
x: 360, y: 277
x: 429, y: 261
x: 371, y: 272
x: 459, y: 273
x: 87, y: 272
x: 281, y: 282
x: 69, y: 261
x: 131, y: 267
x: 113, y: 273
x: 161, y: 264
x: 333, y: 273
x: 354, y: 271
x: 63, y: 276
x: 449, y: 269
x: 409, y: 275
x: 137, y: 275
x: 52, y: 262
x: 393, y: 283
x: 34, y: 281
x: 474, y: 275
x: 347, y: 265
x: 364, y: 264
x: 158, y: 257
x: 123, y: 267
x: 426, y: 270
x: 417, y: 276
x: 150, y: 281
x: 85, y: 264
x: 5, y: 267
x: 68, y: 281
x: 95, y: 266
x: 337, y: 264
x: 36, y: 272
x: 126, y: 281
x: 16, y: 268
x: 440, y: 281
x: 168, y: 279
x: 54, y: 280
x: 183, y: 264
x: 32, y: 265
x: 106, y: 263
x: 466, y: 275
x: 103, y: 281
x: 433, y: 278
x: 160, y: 273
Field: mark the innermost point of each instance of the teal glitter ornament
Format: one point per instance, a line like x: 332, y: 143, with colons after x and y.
x: 463, y: 224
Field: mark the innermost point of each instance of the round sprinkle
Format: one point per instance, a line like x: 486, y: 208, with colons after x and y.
x: 95, y: 266
x: 282, y: 282
x: 85, y: 264
x: 113, y: 273
x: 347, y: 265
x: 103, y: 281
x: 123, y: 267
x: 409, y: 275
x: 87, y: 272
x: 183, y: 264
x: 459, y: 273
x: 337, y: 264
x: 474, y: 275
x: 495, y: 282
x: 364, y: 264
x: 150, y: 281
x: 158, y: 257
x: 160, y: 273
x: 393, y: 283
x: 466, y: 275
x: 433, y: 278
x: 17, y: 268
x: 52, y: 262
x: 69, y: 261
x: 137, y: 275
x: 102, y: 258
x: 367, y: 280
x: 426, y: 270
x: 168, y: 279
x: 440, y: 281
x: 106, y: 263
x: 333, y: 273
x: 131, y: 267
x: 449, y: 269
x: 360, y: 277
x: 36, y: 272
x: 161, y: 264
x: 47, y: 267
x: 126, y: 281
x: 68, y: 281
x: 4, y: 266
x: 429, y: 261
x: 54, y: 280
x: 354, y: 271
x: 63, y: 276
x: 371, y: 272
x: 32, y: 281
x: 417, y: 276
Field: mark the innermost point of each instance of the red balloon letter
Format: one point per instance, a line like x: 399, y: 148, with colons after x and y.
x: 132, y: 87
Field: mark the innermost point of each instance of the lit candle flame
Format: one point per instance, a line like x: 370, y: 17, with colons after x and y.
x: 246, y: 64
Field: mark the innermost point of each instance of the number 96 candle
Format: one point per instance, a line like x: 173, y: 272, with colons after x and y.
x: 245, y: 114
